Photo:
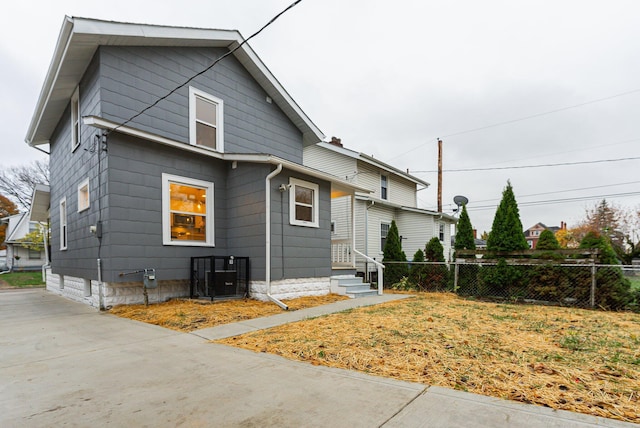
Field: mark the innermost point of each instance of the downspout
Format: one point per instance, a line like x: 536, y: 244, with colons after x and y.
x: 267, y: 261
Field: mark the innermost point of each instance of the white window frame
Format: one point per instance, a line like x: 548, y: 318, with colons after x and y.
x: 293, y: 182
x: 441, y: 232
x: 388, y: 224
x: 75, y: 119
x: 63, y: 224
x: 384, y: 195
x: 84, y: 185
x: 167, y: 179
x: 334, y: 227
x: 197, y: 93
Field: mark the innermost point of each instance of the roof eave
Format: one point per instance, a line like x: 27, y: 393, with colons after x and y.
x: 79, y: 39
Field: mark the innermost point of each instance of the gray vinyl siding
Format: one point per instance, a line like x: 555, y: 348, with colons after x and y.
x: 133, y: 233
x: 67, y: 170
x: 299, y: 251
x: 135, y: 77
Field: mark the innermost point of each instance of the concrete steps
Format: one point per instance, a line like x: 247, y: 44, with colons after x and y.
x: 352, y: 286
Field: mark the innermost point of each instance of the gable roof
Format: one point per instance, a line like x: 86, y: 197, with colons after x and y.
x: 80, y: 38
x: 373, y: 162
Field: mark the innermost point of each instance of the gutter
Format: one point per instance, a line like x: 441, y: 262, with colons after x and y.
x: 267, y: 261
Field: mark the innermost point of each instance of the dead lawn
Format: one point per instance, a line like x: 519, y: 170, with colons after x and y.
x: 572, y: 359
x: 187, y: 315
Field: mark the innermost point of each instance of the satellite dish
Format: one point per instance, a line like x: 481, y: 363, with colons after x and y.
x: 460, y: 200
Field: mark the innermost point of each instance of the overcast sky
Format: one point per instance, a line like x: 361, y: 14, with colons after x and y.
x: 389, y: 78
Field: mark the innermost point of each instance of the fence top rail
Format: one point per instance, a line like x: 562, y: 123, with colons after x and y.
x: 593, y: 252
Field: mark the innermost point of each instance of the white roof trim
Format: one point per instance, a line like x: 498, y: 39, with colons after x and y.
x: 79, y: 38
x: 374, y: 162
x: 337, y: 182
x: 377, y: 201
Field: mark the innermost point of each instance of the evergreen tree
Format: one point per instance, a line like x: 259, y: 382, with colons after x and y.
x: 506, y: 232
x: 547, y: 241
x: 436, y: 274
x: 613, y: 290
x: 467, y: 273
x: 464, y: 232
x: 394, y: 272
x: 417, y: 271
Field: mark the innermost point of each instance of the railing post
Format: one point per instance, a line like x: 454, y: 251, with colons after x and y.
x: 380, y: 280
x: 592, y: 300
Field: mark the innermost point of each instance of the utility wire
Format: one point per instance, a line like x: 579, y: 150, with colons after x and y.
x: 206, y: 69
x: 529, y: 166
x: 520, y: 119
x: 557, y: 201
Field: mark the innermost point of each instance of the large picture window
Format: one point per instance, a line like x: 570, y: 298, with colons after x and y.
x: 205, y: 120
x: 303, y: 203
x: 187, y: 211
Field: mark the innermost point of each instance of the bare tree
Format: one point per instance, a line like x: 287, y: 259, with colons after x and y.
x: 17, y: 182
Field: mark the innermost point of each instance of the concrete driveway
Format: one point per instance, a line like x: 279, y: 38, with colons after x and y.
x: 62, y: 363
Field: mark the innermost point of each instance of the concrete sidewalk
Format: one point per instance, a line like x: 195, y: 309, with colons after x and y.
x: 62, y: 363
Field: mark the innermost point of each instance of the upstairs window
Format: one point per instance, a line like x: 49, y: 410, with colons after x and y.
x: 205, y: 120
x: 384, y: 185
x: 187, y: 211
x: 63, y: 224
x: 303, y: 203
x: 83, y: 195
x: 75, y: 120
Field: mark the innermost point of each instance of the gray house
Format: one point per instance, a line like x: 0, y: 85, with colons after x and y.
x: 212, y: 168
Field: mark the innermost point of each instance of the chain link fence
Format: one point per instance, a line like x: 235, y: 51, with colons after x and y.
x: 585, y: 285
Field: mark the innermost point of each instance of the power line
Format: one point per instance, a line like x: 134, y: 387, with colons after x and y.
x: 529, y: 166
x: 520, y: 119
x: 546, y: 193
x: 558, y: 201
x: 206, y: 69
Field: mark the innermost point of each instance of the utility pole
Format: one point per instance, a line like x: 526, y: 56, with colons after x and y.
x: 439, y: 175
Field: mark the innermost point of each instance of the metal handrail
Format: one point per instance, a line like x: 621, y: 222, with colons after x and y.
x: 380, y: 267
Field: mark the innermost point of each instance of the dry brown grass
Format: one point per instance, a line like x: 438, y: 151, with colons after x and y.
x: 187, y: 315
x: 572, y: 359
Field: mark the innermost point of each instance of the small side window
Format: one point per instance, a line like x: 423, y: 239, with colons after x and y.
x: 83, y: 196
x: 303, y: 203
x: 63, y: 224
x: 75, y: 119
x: 205, y: 120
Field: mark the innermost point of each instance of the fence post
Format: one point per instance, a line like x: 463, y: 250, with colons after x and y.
x: 455, y: 277
x: 592, y: 300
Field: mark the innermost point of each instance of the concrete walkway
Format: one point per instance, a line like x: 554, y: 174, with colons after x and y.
x: 62, y: 363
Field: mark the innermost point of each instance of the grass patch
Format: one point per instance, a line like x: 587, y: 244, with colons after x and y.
x: 23, y: 279
x: 565, y: 358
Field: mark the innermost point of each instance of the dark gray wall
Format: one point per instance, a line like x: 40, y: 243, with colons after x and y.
x: 128, y: 187
x: 135, y: 77
x: 133, y: 233
x: 67, y: 170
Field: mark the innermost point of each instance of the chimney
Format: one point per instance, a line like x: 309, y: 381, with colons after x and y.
x: 336, y: 141
x: 475, y: 233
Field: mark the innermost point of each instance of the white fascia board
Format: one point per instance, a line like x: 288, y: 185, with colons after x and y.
x: 101, y: 123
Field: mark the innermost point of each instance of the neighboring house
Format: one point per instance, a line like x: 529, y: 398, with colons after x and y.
x: 393, y: 195
x: 214, y: 169
x: 18, y: 255
x: 533, y: 233
x: 3, y: 260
